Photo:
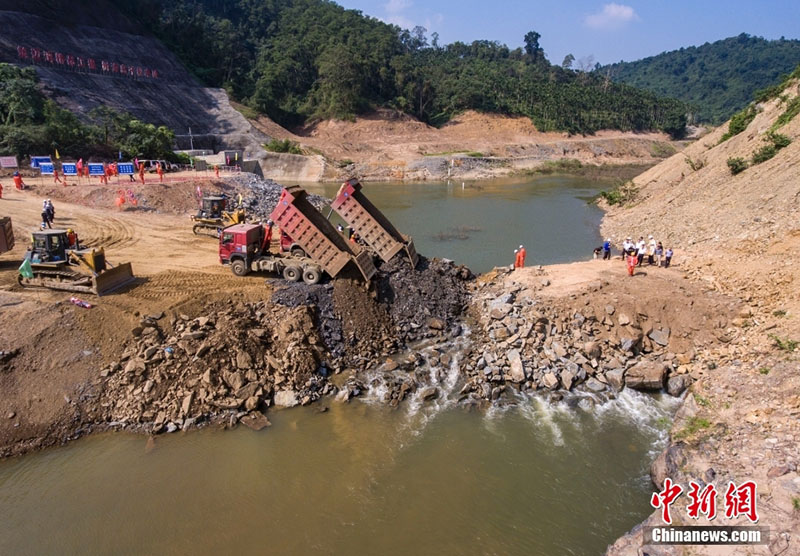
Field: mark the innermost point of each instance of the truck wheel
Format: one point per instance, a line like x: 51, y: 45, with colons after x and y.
x: 298, y: 253
x: 239, y: 268
x: 292, y: 273
x: 311, y: 276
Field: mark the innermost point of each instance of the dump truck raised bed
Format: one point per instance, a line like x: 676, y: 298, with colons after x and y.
x: 317, y: 237
x: 57, y: 266
x: 6, y: 235
x: 370, y: 223
x: 245, y: 247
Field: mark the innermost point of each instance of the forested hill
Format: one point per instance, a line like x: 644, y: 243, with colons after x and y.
x: 716, y: 79
x: 296, y: 60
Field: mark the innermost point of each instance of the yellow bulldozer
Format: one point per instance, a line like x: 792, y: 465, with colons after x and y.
x: 213, y: 216
x: 56, y: 261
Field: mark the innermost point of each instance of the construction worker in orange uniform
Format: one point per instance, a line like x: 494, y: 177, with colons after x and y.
x: 631, y: 261
x: 56, y: 179
x: 519, y: 257
x: 216, y: 170
x: 18, y: 183
x: 160, y: 172
x: 1, y: 190
x: 141, y: 172
x: 72, y: 239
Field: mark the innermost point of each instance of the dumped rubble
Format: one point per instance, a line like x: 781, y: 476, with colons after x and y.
x: 231, y: 362
x: 580, y: 343
x: 262, y: 195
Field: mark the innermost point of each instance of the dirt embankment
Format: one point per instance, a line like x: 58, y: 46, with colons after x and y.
x: 738, y: 235
x: 388, y: 145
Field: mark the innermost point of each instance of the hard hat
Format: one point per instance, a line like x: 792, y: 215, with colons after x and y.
x: 520, y: 247
x: 651, y: 237
x: 69, y: 231
x: 608, y: 239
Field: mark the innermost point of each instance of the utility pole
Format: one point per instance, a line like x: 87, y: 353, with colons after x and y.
x: 191, y: 140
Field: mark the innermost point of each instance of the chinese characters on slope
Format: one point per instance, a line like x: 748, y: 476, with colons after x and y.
x: 37, y: 55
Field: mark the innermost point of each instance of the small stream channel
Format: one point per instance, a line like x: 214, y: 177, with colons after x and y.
x: 429, y: 477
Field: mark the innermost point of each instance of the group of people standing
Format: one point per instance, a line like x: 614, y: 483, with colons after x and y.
x: 634, y: 253
x: 48, y: 213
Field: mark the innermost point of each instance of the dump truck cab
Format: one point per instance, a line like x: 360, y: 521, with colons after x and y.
x: 241, y: 242
x: 246, y: 248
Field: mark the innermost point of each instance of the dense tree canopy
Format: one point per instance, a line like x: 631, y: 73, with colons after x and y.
x: 716, y: 79
x: 301, y: 59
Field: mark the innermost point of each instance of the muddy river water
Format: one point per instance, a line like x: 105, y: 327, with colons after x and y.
x: 530, y: 477
x: 480, y: 224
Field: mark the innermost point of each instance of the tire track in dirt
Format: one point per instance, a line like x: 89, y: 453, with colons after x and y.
x: 108, y: 232
x: 177, y: 286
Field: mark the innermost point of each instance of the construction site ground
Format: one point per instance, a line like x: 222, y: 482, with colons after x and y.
x: 63, y: 345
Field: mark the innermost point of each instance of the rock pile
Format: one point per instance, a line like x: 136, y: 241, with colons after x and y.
x: 262, y: 195
x: 357, y: 326
x: 234, y: 362
x: 424, y: 301
x: 582, y: 343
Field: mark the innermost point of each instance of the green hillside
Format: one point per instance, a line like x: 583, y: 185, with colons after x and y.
x: 716, y: 79
x: 296, y: 60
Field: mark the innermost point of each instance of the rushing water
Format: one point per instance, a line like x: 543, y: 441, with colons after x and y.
x: 525, y: 477
x: 359, y: 479
x: 480, y: 224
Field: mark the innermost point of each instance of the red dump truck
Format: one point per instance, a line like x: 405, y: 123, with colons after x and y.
x: 246, y: 247
x: 370, y: 223
x: 317, y: 237
x: 6, y: 235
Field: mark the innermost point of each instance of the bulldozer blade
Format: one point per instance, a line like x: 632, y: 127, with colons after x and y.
x: 112, y: 278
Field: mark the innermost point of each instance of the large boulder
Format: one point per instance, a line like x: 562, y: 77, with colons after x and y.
x: 616, y: 378
x: 660, y: 336
x: 646, y: 375
x: 285, y: 398
x: 517, y: 368
x: 677, y: 384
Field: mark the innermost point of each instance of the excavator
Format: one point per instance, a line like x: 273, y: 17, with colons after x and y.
x: 213, y: 216
x: 58, y: 262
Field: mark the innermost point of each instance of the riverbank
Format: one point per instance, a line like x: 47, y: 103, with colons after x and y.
x: 737, y: 235
x: 172, y: 353
x: 390, y: 146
